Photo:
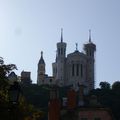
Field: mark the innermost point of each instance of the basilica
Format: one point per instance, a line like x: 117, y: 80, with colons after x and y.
x: 73, y: 69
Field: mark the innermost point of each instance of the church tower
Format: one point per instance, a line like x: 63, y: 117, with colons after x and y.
x: 41, y: 70
x: 90, y: 49
x: 60, y: 60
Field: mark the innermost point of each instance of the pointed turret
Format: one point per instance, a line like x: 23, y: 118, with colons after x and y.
x: 41, y: 70
x: 61, y: 46
x: 61, y: 57
x: 90, y: 47
x: 41, y: 61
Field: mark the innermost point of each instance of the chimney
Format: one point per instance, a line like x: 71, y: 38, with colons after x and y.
x: 54, y: 104
x: 71, y: 99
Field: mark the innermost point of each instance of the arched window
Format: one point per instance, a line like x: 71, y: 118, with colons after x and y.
x: 58, y: 51
x: 64, y: 51
x: 77, y: 69
x: 90, y: 53
x: 61, y: 51
x: 73, y: 69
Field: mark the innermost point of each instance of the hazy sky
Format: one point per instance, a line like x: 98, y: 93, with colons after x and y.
x: 29, y: 26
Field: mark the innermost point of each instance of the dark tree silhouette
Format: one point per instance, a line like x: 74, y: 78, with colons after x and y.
x: 116, y: 85
x: 4, y: 72
x: 104, y: 85
x: 4, y: 85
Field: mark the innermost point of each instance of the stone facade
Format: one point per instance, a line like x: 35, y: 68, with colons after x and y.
x: 42, y: 77
x: 26, y: 77
x: 74, y: 69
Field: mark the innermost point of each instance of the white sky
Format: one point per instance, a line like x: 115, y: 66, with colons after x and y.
x: 29, y: 26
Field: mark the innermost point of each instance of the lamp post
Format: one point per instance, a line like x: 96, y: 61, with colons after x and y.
x: 14, y: 94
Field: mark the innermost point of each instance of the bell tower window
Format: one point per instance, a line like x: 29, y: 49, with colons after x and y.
x: 58, y: 51
x: 77, y: 69
x: 81, y: 66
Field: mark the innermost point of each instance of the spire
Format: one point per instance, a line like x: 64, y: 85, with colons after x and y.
x: 41, y: 53
x: 90, y: 35
x: 61, y: 34
x: 41, y: 61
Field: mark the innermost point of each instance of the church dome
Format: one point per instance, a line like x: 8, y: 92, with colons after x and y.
x: 76, y: 53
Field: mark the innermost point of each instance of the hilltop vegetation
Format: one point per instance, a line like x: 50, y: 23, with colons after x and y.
x: 107, y: 96
x: 18, y: 109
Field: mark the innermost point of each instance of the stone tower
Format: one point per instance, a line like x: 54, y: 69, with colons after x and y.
x: 41, y: 70
x: 90, y: 49
x: 60, y: 60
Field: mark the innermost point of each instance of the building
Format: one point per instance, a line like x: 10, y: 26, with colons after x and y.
x: 95, y: 113
x: 42, y: 77
x: 26, y: 77
x: 72, y: 69
x: 12, y: 77
x: 90, y: 109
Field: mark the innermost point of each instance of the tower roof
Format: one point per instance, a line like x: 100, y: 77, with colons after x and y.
x: 89, y: 35
x: 61, y: 34
x: 90, y: 44
x: 41, y: 61
x: 61, y: 43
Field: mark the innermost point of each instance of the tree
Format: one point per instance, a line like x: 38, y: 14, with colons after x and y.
x: 4, y: 72
x: 28, y: 111
x: 4, y: 102
x: 104, y: 85
x: 23, y: 109
x: 116, y: 85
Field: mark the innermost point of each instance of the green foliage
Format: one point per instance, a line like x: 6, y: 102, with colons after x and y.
x: 39, y: 97
x: 116, y: 85
x: 4, y: 72
x: 104, y: 85
x: 109, y: 98
x: 10, y: 111
x: 27, y: 110
x: 36, y: 95
x: 69, y: 115
x: 4, y: 102
x: 5, y: 69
